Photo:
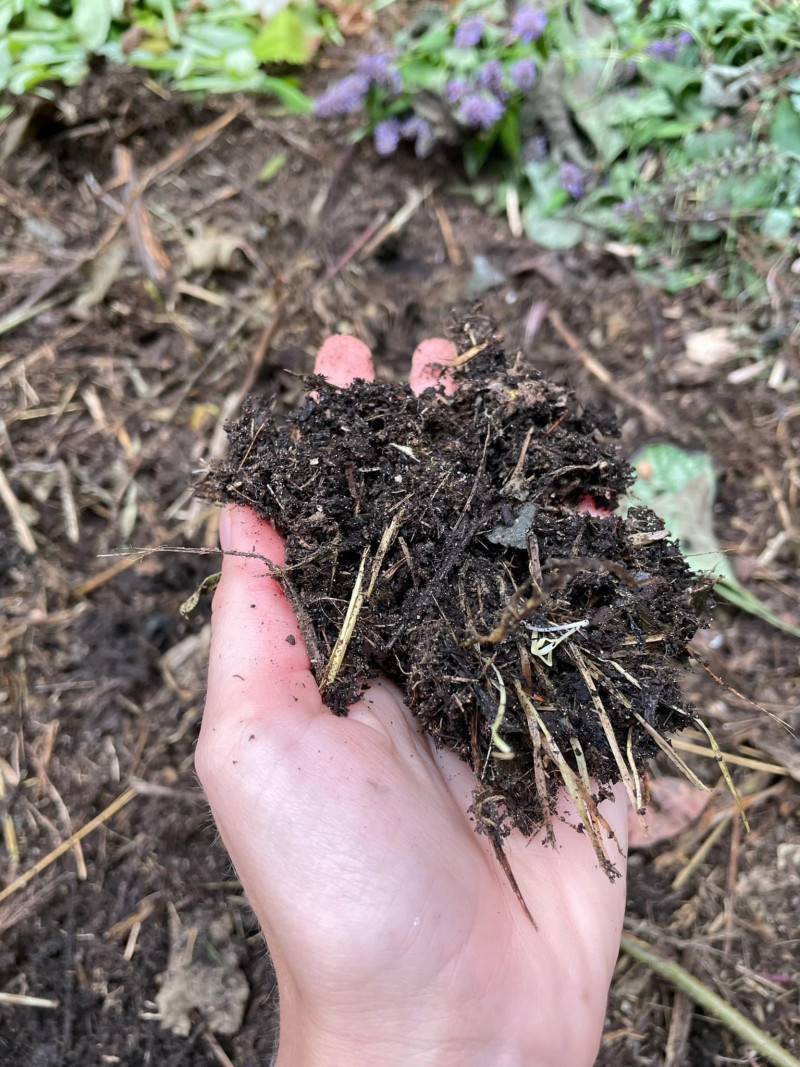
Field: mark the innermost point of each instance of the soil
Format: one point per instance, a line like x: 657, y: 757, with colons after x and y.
x: 109, y: 411
x: 448, y: 543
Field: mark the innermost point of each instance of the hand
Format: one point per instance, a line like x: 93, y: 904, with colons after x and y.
x: 396, y: 937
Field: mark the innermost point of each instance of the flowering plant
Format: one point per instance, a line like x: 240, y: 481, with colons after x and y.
x: 476, y: 63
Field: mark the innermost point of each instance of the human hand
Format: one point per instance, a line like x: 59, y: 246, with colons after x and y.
x: 395, y: 934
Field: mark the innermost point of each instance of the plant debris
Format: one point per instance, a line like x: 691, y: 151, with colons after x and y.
x: 466, y: 547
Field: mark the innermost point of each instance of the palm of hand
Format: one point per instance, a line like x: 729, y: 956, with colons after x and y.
x: 393, y: 929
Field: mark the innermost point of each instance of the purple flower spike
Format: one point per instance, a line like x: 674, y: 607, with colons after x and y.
x: 662, y: 49
x: 523, y: 73
x: 380, y: 70
x: 455, y: 90
x: 343, y: 98
x: 387, y: 137
x: 480, y: 111
x: 490, y: 77
x: 685, y: 38
x: 570, y: 178
x: 528, y: 24
x: 469, y: 33
x: 535, y: 148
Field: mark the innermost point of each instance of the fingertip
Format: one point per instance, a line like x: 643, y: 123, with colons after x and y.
x: 342, y: 359
x: 427, y: 366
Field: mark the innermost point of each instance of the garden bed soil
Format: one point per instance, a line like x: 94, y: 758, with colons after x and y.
x: 217, y: 286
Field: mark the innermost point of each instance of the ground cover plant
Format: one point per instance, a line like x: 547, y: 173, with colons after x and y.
x: 669, y: 130
x: 218, y: 46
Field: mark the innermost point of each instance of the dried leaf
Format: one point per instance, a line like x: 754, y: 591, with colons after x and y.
x: 103, y: 272
x: 711, y: 348
x: 674, y: 804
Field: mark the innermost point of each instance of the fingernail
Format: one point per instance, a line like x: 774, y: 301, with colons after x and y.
x: 225, y: 529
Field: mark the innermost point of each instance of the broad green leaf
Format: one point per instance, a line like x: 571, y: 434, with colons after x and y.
x: 785, y: 129
x: 554, y: 232
x: 681, y: 487
x: 777, y: 224
x: 92, y: 21
x: 283, y: 40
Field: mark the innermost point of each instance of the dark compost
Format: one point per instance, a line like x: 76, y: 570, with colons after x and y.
x: 467, y: 547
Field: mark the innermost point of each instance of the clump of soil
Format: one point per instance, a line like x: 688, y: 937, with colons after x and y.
x: 466, y: 547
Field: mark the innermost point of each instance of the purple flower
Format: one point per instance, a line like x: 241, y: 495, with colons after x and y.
x: 685, y: 38
x: 469, y: 32
x: 535, y: 148
x: 570, y: 178
x: 629, y: 207
x: 523, y: 73
x: 663, y: 49
x: 380, y: 70
x: 343, y: 98
x: 387, y: 137
x: 490, y: 77
x: 528, y: 24
x: 480, y: 111
x: 421, y: 133
x: 455, y: 90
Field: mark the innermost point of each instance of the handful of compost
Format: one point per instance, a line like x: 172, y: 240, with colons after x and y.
x: 465, y: 546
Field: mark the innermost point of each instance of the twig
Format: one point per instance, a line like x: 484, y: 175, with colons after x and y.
x: 27, y: 1002
x: 346, y: 632
x: 71, y: 841
x: 730, y: 757
x: 198, y: 140
x: 726, y: 774
x: 710, y: 1001
x: 448, y: 235
x: 632, y: 790
x: 396, y: 223
x: 596, y: 368
x: 583, y: 801
x: 130, y: 559
x: 21, y: 528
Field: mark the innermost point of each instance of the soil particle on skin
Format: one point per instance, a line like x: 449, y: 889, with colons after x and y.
x: 466, y: 547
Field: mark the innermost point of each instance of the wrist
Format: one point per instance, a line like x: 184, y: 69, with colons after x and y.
x: 447, y: 1039
x: 317, y: 1048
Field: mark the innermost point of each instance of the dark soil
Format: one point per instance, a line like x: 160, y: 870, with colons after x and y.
x: 447, y: 542
x: 101, y: 678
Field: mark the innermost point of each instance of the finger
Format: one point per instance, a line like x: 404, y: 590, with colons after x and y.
x: 342, y: 359
x: 257, y: 649
x: 427, y: 365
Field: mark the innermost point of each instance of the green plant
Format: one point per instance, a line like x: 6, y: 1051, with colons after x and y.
x: 669, y: 131
x: 216, y: 46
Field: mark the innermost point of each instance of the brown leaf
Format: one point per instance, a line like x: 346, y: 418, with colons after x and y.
x: 674, y: 803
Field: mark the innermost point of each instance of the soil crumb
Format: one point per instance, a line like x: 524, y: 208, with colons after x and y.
x: 466, y: 546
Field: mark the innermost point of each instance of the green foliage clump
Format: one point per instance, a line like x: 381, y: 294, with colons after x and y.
x: 215, y: 46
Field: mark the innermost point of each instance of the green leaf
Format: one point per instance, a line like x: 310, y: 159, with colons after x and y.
x: 92, y: 21
x: 273, y: 165
x: 476, y: 152
x: 508, y: 133
x: 292, y: 98
x: 681, y: 487
x: 777, y: 224
x: 283, y: 40
x: 785, y: 129
x: 554, y: 232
